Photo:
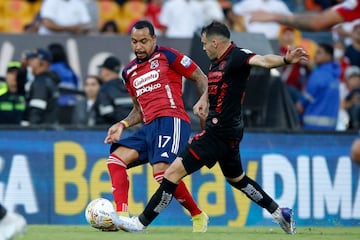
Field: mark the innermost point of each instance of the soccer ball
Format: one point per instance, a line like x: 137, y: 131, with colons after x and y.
x: 98, y: 213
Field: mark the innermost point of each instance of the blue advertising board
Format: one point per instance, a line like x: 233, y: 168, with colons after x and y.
x: 49, y: 176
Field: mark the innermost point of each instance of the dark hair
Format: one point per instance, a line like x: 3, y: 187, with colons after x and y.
x: 145, y: 24
x: 97, y: 78
x: 216, y: 28
x: 58, y: 53
x: 328, y: 48
x: 111, y: 24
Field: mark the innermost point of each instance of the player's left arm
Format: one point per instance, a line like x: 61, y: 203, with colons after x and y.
x: 271, y: 61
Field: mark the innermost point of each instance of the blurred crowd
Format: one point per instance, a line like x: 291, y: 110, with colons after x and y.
x: 42, y: 88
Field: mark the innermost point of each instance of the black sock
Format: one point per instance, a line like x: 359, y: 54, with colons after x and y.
x: 255, y: 193
x: 2, y: 212
x: 160, y: 200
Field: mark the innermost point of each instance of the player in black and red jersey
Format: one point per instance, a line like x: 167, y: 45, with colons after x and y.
x: 219, y: 142
x: 154, y: 81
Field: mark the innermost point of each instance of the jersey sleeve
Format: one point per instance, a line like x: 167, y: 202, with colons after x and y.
x: 243, y: 57
x: 348, y: 10
x: 124, y: 75
x: 179, y: 62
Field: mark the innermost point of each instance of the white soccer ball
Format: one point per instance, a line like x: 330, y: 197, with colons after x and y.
x: 98, y: 213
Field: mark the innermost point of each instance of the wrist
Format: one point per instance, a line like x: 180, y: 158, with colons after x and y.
x: 286, y: 61
x: 124, y: 123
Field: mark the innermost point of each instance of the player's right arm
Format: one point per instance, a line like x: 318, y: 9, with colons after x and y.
x: 115, y: 131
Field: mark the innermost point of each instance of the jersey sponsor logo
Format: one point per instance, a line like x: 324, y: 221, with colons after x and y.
x: 145, y: 79
x: 215, y: 77
x: 146, y: 89
x: 154, y: 64
x: 186, y: 61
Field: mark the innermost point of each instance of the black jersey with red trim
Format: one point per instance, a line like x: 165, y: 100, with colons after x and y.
x: 227, y: 80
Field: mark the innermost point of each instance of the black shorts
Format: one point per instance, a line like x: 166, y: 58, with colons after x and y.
x: 206, y: 149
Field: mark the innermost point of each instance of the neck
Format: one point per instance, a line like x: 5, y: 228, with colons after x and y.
x: 222, y: 47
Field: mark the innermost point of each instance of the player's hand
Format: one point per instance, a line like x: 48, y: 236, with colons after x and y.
x: 114, y: 133
x: 296, y: 55
x: 201, y: 108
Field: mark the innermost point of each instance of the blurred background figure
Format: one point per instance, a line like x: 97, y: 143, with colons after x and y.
x: 181, y: 18
x: 42, y: 98
x: 64, y: 16
x: 84, y: 112
x: 320, y: 102
x: 351, y: 103
x: 109, y: 27
x: 68, y: 81
x: 352, y: 52
x: 12, y: 104
x: 246, y: 7
x: 113, y: 101
x: 294, y: 75
x: 152, y: 12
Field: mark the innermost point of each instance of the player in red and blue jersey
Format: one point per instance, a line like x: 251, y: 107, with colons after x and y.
x: 154, y: 81
x: 347, y: 11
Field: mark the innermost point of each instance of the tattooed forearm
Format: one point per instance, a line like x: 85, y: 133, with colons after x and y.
x: 201, y: 80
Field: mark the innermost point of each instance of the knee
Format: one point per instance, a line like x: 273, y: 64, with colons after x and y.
x: 236, y: 179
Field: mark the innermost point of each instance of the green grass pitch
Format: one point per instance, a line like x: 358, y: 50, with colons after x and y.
x: 55, y: 232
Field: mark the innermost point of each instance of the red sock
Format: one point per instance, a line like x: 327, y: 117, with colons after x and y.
x: 182, y: 195
x: 119, y: 181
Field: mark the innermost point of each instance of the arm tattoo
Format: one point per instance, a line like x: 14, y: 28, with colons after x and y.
x: 201, y: 80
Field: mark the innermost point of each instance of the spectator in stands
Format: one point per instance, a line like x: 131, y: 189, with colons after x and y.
x: 12, y: 104
x: 109, y: 27
x: 42, y: 98
x: 351, y: 103
x: 211, y: 10
x: 68, y: 81
x: 153, y: 9
x: 64, y: 16
x: 233, y: 21
x: 34, y: 25
x: 346, y: 11
x: 93, y: 10
x: 246, y: 7
x: 294, y: 75
x: 113, y: 101
x: 352, y: 52
x: 320, y: 102
x: 181, y: 18
x: 84, y: 112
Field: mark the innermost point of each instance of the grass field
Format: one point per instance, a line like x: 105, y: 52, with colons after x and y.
x: 56, y: 232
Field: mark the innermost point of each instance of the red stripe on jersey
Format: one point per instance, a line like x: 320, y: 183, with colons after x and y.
x: 194, y: 154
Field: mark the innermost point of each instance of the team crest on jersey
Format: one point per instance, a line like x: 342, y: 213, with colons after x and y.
x: 222, y: 65
x: 154, y: 64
